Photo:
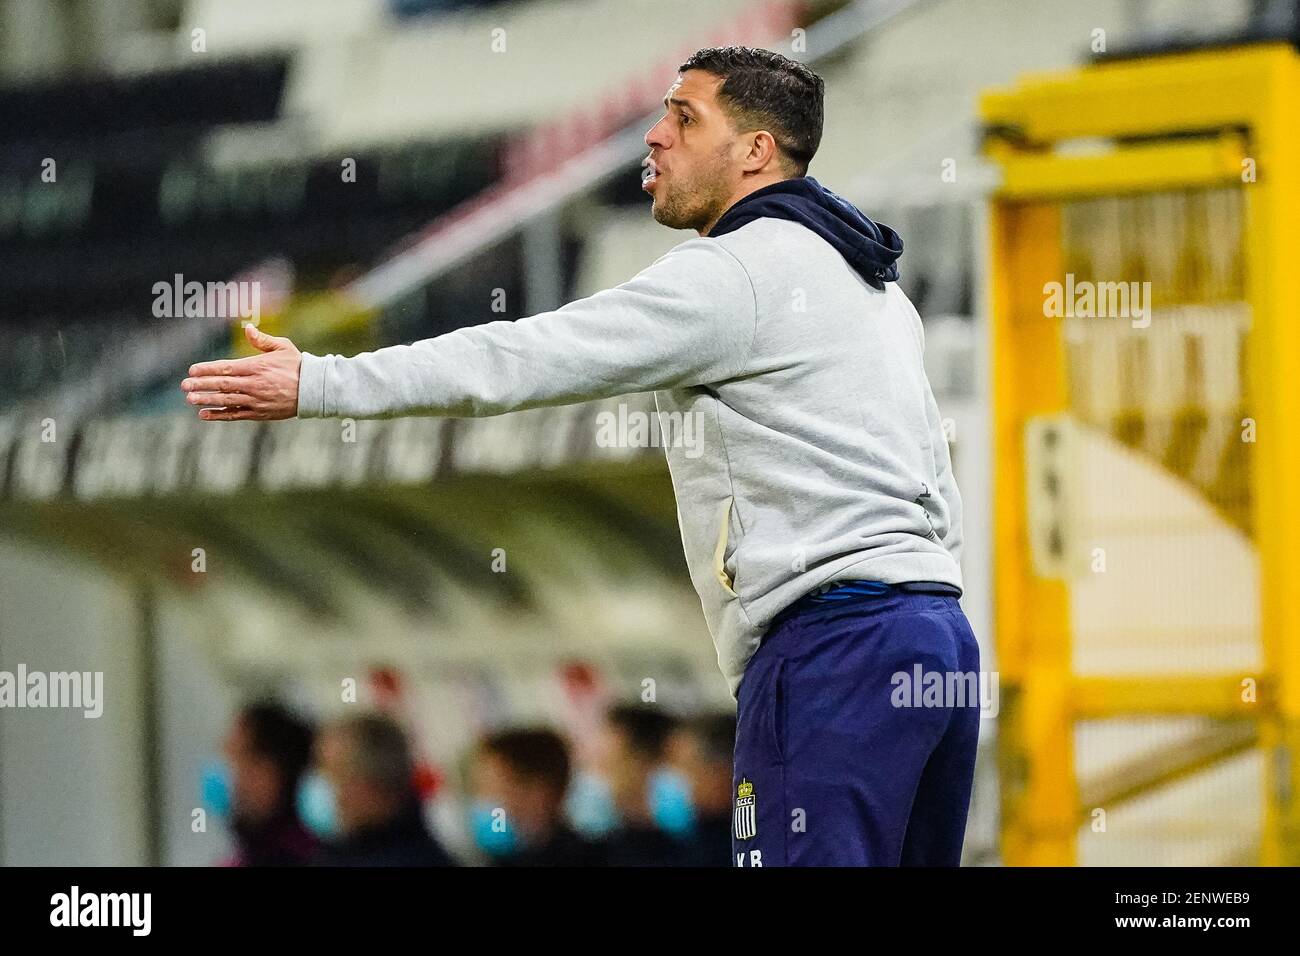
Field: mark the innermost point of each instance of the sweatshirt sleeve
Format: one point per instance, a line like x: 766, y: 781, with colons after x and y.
x: 687, y: 319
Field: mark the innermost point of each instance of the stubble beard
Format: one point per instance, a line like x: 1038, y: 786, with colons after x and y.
x: 694, y: 203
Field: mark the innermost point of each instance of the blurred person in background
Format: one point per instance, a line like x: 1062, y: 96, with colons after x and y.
x: 521, y: 777
x: 267, y: 751
x: 636, y: 745
x: 363, y: 797
x: 702, y: 750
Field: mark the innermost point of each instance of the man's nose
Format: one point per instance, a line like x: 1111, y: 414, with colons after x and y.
x: 655, y: 135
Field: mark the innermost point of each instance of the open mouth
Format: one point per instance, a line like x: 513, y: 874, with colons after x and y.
x: 649, y: 172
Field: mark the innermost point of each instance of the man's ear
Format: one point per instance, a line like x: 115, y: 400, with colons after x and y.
x: 762, y: 151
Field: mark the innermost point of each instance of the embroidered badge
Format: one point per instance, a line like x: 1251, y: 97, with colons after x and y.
x: 746, y: 815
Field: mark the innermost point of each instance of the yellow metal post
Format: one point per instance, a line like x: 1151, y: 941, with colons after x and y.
x: 1033, y: 612
x: 1273, y: 398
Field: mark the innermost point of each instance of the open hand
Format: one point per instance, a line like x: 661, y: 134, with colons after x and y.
x: 258, y: 388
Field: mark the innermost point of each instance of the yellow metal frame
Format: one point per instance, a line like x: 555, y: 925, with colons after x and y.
x: 1128, y: 169
x: 1168, y: 122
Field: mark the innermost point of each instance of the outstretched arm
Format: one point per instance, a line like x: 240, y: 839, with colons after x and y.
x: 687, y: 319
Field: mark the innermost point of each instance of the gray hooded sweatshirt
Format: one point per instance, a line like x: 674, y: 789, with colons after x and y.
x: 819, y: 455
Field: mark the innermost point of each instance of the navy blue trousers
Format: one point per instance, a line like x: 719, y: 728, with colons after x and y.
x: 843, y: 757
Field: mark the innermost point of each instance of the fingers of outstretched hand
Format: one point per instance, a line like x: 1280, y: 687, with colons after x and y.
x: 243, y: 366
x: 222, y: 399
x: 219, y: 383
x: 231, y: 415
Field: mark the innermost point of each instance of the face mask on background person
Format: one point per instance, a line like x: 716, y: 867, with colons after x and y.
x: 318, y: 807
x: 590, y: 805
x: 670, y: 802
x: 491, y: 829
x: 216, y: 791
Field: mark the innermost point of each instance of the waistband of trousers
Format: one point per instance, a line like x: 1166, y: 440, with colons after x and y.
x: 841, y: 592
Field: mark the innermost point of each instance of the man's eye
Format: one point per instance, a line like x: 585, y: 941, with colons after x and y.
x: 686, y: 120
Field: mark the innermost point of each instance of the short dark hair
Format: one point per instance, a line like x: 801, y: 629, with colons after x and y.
x: 535, y: 753
x: 277, y: 734
x: 647, y: 730
x: 765, y: 90
x: 381, y: 753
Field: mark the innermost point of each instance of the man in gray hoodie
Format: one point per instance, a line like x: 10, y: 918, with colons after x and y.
x: 821, y: 523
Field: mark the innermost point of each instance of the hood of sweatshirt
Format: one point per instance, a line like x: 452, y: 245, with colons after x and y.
x: 871, y: 248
